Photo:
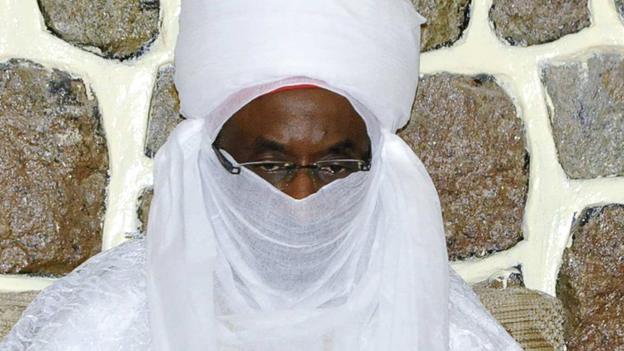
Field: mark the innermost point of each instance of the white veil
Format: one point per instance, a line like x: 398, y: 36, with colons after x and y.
x: 233, y: 263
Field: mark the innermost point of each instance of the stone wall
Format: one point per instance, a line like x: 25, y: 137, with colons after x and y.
x: 519, y: 119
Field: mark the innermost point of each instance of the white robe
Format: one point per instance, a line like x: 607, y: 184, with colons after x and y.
x: 230, y: 263
x: 102, y: 306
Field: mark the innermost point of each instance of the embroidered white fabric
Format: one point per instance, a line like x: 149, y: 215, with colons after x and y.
x: 101, y: 306
x: 233, y: 264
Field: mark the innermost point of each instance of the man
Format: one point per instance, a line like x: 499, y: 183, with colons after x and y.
x: 300, y: 125
x: 287, y: 214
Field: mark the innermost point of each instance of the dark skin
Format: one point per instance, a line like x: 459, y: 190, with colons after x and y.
x: 301, y: 126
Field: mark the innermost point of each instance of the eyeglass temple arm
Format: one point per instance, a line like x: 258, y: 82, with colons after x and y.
x: 225, y: 162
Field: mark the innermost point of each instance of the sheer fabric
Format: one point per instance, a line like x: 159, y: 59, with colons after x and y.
x: 349, y: 266
x: 352, y: 267
x: 232, y: 264
x: 359, y: 265
x: 102, y: 306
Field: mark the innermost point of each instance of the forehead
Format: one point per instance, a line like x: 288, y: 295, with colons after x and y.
x: 308, y: 116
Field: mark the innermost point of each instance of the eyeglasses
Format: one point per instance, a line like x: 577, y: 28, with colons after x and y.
x: 280, y: 171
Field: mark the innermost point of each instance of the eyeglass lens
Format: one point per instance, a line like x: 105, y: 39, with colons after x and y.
x: 325, y: 171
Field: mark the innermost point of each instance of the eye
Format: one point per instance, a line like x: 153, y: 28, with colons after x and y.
x: 271, y: 167
x: 333, y: 168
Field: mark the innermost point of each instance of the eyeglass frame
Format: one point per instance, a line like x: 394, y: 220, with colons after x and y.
x: 363, y: 165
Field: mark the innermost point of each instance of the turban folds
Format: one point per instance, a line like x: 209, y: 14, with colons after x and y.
x: 366, y: 47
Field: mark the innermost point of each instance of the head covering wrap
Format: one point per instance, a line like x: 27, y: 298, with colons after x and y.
x: 293, y: 87
x: 235, y: 264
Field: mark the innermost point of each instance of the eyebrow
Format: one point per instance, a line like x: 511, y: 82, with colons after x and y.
x: 270, y: 145
x: 346, y: 146
x: 342, y: 147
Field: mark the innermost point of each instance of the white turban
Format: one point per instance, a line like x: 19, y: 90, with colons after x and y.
x: 365, y: 47
x: 233, y: 263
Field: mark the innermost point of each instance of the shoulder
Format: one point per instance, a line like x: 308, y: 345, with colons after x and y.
x: 115, y: 273
x: 125, y: 260
x: 98, y: 304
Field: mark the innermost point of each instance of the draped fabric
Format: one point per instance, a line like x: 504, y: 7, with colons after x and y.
x: 359, y: 265
x: 351, y: 266
x: 232, y: 264
x: 369, y: 48
x: 102, y: 306
x: 347, y: 268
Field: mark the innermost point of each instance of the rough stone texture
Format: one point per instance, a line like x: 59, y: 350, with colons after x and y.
x: 591, y: 281
x: 446, y: 21
x: 531, y: 22
x: 466, y: 131
x: 164, y: 112
x: 117, y: 29
x: 53, y: 170
x: 620, y: 6
x: 11, y: 307
x: 587, y: 114
x: 145, y: 200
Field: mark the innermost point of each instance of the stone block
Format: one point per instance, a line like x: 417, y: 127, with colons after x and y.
x: 591, y: 280
x: 467, y: 133
x: 53, y: 170
x: 446, y: 21
x: 164, y: 114
x: 587, y: 113
x: 531, y: 22
x: 117, y: 29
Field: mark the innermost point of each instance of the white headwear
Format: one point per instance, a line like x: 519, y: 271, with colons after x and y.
x: 233, y: 263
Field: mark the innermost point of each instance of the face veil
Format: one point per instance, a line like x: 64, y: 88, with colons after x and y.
x: 234, y: 264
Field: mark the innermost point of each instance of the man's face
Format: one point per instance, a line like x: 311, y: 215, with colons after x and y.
x: 301, y: 126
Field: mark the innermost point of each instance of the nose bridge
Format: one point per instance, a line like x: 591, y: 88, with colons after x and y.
x: 303, y: 183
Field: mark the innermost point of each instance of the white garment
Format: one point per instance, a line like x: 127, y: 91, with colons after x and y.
x: 102, y: 306
x: 233, y: 264
x: 369, y: 48
x: 361, y: 264
x: 353, y: 265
